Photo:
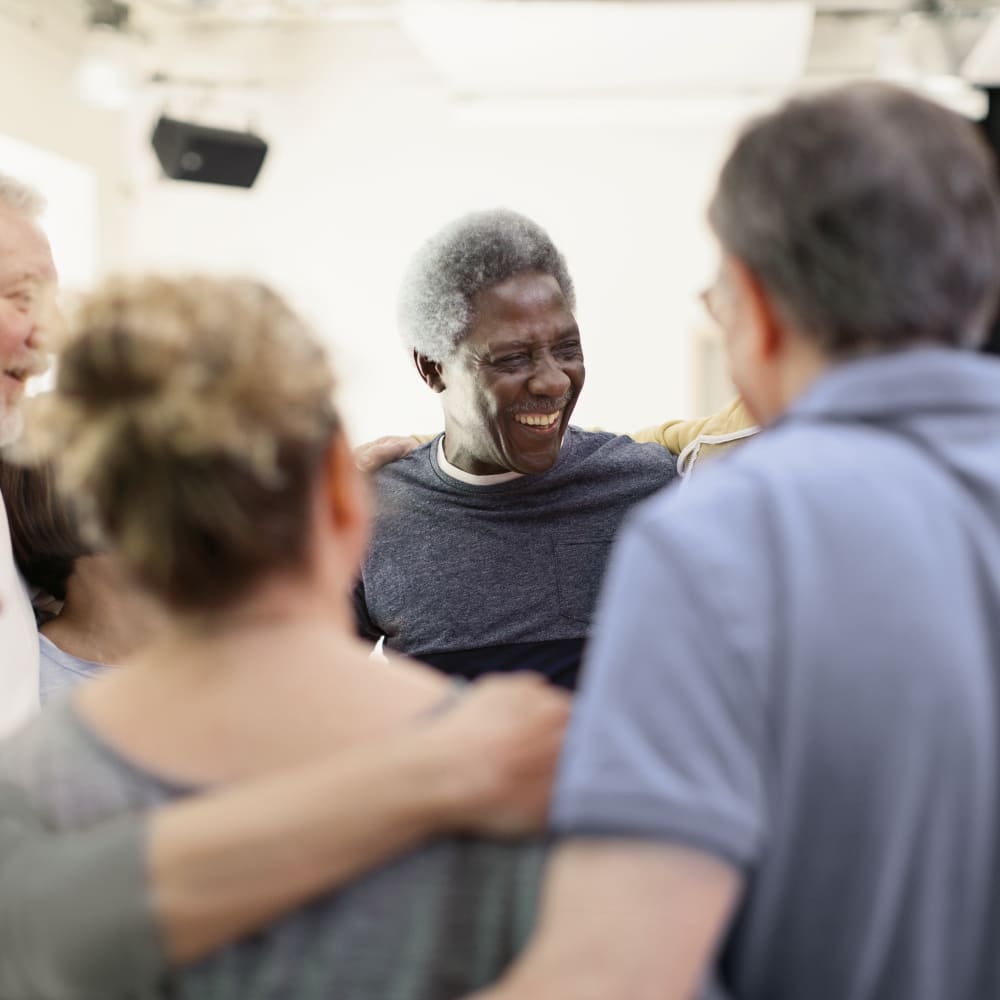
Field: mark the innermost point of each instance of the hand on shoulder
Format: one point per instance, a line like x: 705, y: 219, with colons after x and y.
x: 372, y: 455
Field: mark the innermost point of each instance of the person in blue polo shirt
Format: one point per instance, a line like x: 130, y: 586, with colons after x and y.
x: 784, y: 765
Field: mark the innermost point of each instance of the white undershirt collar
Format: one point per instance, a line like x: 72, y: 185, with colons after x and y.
x: 467, y: 477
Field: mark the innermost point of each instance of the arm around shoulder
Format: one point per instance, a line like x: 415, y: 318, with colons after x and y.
x: 676, y: 435
x: 100, y: 913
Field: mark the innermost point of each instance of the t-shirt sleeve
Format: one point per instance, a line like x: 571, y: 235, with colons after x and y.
x: 667, y: 737
x: 76, y: 920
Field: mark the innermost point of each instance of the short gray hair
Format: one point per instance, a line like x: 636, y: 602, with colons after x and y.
x: 20, y: 197
x: 871, y: 215
x: 473, y: 253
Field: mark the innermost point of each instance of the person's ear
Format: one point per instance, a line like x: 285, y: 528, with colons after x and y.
x: 430, y: 371
x: 760, y: 313
x: 346, y: 493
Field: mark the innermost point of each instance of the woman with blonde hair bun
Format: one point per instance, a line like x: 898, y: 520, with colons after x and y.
x: 193, y: 424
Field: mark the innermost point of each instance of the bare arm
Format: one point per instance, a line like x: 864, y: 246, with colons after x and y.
x: 225, y: 863
x: 624, y: 920
x: 222, y: 865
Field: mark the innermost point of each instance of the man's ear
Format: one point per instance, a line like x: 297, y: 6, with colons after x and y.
x: 759, y: 310
x: 430, y: 371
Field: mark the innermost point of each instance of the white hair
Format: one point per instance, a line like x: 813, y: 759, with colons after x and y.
x: 20, y: 197
x: 469, y: 255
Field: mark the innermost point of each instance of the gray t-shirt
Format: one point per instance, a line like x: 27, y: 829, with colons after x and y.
x: 795, y: 669
x: 473, y: 578
x: 433, y: 925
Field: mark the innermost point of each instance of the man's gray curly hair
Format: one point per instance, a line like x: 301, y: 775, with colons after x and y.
x: 471, y: 254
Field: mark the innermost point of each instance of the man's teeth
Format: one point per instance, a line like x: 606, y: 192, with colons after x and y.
x: 537, y: 419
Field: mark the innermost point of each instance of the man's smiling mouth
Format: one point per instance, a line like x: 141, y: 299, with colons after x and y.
x: 545, y: 421
x: 34, y: 365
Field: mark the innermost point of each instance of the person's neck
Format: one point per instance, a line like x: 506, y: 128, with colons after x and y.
x: 103, y: 618
x: 454, y: 472
x: 267, y: 682
x: 801, y: 366
x: 465, y: 459
x: 277, y: 603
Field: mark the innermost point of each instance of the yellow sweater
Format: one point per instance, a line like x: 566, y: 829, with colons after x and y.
x: 702, y: 439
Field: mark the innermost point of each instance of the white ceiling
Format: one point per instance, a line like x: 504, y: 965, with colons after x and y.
x: 559, y: 47
x: 277, y: 9
x: 545, y: 48
x: 847, y: 37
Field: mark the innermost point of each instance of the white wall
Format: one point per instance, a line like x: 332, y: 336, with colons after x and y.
x: 370, y: 154
x: 84, y: 176
x: 72, y: 215
x: 373, y: 155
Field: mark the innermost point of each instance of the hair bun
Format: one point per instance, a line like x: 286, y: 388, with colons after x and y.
x: 188, y: 419
x: 109, y: 366
x: 185, y: 366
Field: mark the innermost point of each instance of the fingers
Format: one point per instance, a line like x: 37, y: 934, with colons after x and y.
x: 526, y: 693
x: 371, y: 456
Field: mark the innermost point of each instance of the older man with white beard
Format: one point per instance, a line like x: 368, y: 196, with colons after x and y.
x: 27, y: 280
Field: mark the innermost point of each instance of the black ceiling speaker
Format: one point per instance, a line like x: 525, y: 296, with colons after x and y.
x: 189, y: 152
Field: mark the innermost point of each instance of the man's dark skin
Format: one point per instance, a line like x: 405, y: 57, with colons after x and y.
x: 510, y: 387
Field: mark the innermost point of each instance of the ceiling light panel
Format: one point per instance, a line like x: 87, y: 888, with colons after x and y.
x: 562, y: 46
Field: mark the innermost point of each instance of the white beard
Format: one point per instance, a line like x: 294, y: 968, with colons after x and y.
x: 11, y: 425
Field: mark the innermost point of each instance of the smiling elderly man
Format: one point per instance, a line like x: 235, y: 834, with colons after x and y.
x: 490, y: 541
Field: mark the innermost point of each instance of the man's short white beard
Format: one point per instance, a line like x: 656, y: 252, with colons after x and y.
x: 11, y: 425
